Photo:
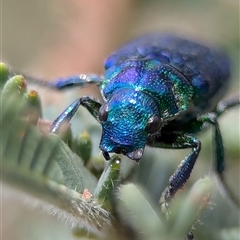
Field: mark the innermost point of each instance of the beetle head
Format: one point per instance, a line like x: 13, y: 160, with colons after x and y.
x: 127, y: 120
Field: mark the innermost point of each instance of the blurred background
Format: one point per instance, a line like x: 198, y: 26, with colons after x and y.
x: 52, y: 38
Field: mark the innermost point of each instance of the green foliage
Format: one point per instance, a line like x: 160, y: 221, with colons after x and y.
x: 117, y: 202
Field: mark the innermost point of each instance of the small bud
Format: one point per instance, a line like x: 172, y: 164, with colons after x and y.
x: 4, y: 74
x: 83, y: 146
x: 15, y: 88
x: 33, y: 108
x: 12, y: 95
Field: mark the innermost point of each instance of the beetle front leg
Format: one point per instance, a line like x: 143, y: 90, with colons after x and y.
x: 180, y: 177
x: 88, y: 102
x: 182, y: 174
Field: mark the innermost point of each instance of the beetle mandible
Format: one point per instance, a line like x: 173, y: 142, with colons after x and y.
x: 158, y: 91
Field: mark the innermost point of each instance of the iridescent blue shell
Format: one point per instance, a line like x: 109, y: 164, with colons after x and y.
x: 158, y: 75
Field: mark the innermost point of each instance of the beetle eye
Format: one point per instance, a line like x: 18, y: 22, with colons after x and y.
x: 103, y: 113
x: 154, y: 124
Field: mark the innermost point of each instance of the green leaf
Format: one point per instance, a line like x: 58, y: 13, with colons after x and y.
x: 109, y: 179
x: 45, y: 167
x: 138, y: 212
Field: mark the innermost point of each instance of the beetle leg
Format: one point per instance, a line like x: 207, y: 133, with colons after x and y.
x: 182, y: 174
x: 177, y: 141
x: 218, y: 149
x: 180, y: 177
x: 63, y: 83
x: 219, y: 162
x: 217, y: 137
x: 89, y: 103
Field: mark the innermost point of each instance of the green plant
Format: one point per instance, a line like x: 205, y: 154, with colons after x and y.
x: 102, y: 200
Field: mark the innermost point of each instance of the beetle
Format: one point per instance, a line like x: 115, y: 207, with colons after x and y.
x: 158, y: 90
